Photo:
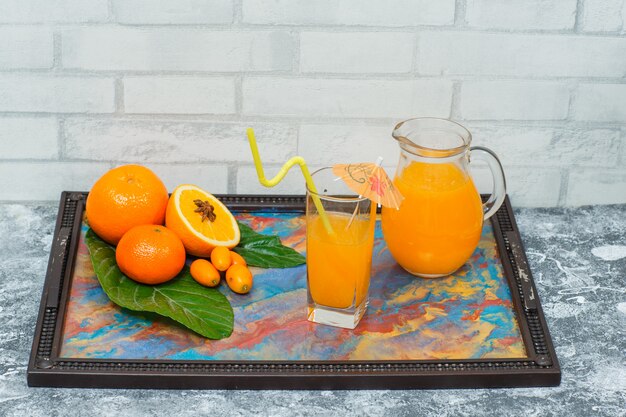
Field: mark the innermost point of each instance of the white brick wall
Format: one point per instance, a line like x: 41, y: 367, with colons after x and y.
x: 131, y: 140
x: 212, y: 177
x: 593, y: 186
x: 329, y: 144
x: 514, y: 100
x: 601, y: 102
x: 89, y: 84
x: 56, y: 11
x: 527, y: 186
x: 184, y: 95
x: 541, y: 147
x: 357, y: 52
x: 168, y: 12
x: 343, y: 98
x: 349, y: 12
x: 147, y: 49
x: 53, y: 94
x: 25, y: 47
x: 604, y: 16
x: 28, y: 138
x: 44, y: 180
x: 521, y: 14
x: 522, y: 55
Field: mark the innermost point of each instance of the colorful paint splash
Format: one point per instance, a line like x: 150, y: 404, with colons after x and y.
x: 468, y: 315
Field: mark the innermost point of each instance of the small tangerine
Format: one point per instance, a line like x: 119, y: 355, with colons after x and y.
x: 150, y: 254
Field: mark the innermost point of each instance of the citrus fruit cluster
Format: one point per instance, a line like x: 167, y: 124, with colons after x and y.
x: 129, y: 207
x: 223, y: 262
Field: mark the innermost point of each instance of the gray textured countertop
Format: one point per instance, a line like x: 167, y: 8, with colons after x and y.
x: 578, y: 258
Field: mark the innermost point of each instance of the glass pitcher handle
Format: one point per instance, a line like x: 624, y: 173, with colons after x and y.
x: 499, y: 182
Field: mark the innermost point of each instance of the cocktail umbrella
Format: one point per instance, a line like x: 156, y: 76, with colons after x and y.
x: 370, y: 180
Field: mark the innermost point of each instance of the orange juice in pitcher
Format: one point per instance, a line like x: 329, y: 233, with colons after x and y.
x: 439, y: 222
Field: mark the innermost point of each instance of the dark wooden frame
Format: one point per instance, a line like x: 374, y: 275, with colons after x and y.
x: 46, y: 368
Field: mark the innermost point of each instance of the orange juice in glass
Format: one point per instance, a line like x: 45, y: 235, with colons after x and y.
x: 439, y: 222
x: 339, y: 257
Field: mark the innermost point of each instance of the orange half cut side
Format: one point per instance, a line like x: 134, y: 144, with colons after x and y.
x: 200, y: 236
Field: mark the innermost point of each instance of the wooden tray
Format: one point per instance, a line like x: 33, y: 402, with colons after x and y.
x: 481, y: 327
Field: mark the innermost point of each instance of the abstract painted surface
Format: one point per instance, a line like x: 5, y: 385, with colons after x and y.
x: 468, y: 315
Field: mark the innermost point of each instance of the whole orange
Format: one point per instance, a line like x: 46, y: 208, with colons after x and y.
x: 150, y: 254
x: 126, y: 196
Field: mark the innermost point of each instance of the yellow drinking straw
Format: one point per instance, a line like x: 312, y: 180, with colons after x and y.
x: 281, y: 174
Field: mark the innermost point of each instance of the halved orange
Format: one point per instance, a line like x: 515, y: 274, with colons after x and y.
x: 200, y: 220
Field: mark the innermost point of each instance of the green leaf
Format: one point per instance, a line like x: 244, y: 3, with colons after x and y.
x: 265, y: 251
x: 204, y: 310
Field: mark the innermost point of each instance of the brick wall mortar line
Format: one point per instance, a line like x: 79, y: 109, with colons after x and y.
x: 573, y: 91
x: 299, y: 120
x: 204, y: 163
x: 61, y: 138
x: 231, y: 178
x: 57, y: 61
x: 37, y: 160
x: 288, y: 74
x: 580, y: 8
x: 238, y: 12
x: 621, y: 161
x: 117, y: 162
x: 239, y: 95
x: 119, y: 95
x: 563, y: 189
x: 298, y: 128
x: 269, y: 166
x: 455, y: 105
x: 295, y: 59
x: 460, y: 10
x: 27, y: 115
x: 416, y: 55
x: 244, y: 27
x: 111, y: 12
x: 434, y: 28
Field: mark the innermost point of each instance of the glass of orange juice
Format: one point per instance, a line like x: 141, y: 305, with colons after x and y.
x: 339, y: 244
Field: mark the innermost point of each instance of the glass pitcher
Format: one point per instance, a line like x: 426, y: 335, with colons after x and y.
x: 439, y: 222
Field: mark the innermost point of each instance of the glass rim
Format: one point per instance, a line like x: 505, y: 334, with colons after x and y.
x: 342, y: 199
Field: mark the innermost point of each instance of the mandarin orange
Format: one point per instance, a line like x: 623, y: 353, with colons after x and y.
x: 124, y: 197
x: 150, y: 254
